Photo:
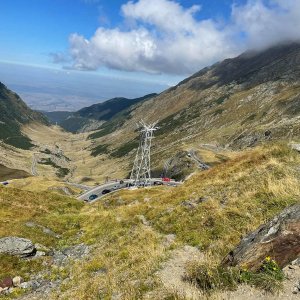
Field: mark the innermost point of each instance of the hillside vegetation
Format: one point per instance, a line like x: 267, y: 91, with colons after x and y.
x: 15, y: 113
x: 236, y: 103
x: 128, y: 230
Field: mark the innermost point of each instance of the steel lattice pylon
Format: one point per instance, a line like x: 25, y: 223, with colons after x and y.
x: 141, y: 171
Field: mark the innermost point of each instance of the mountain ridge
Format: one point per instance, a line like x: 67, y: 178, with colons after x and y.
x: 14, y: 114
x: 234, y: 104
x: 92, y: 117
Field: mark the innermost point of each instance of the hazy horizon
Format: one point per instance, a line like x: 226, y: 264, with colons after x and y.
x: 66, y: 90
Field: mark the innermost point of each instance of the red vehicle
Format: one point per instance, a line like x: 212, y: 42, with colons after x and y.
x: 166, y: 179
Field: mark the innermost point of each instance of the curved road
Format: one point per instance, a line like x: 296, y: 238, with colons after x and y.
x: 201, y: 164
x: 33, y: 165
x: 114, y: 186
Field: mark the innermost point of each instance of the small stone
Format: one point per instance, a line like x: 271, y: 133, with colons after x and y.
x: 116, y: 296
x: 189, y: 204
x: 40, y: 253
x: 143, y: 220
x: 295, y: 290
x: 17, y: 280
x: 169, y: 240
x: 202, y: 199
x: 30, y: 224
x: 296, y: 262
x: 292, y: 267
x: 24, y: 285
x: 101, y: 271
x: 6, y: 283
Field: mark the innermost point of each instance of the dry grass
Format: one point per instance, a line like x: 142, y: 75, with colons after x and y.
x: 230, y: 200
x: 239, y: 195
x: 39, y: 183
x: 53, y: 211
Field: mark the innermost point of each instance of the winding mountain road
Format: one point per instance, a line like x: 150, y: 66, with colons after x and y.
x: 115, y: 186
x: 201, y: 164
x: 33, y: 165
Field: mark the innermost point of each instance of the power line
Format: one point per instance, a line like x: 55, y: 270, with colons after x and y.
x: 141, y: 171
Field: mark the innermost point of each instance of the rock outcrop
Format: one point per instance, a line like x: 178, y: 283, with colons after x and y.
x: 279, y: 239
x: 17, y: 246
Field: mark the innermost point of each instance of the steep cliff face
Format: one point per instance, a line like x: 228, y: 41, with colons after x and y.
x: 13, y: 114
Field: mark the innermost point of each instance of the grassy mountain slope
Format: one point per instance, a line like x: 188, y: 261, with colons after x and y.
x: 127, y: 249
x: 234, y: 104
x: 15, y: 113
x: 7, y: 173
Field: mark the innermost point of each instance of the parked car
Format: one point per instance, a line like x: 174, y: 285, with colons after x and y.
x: 93, y: 197
x: 157, y: 183
x: 105, y: 192
x: 166, y: 179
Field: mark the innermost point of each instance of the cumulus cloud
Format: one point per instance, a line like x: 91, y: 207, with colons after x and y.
x: 268, y: 23
x: 164, y: 37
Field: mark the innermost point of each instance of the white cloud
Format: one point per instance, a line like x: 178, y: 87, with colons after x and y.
x: 163, y: 36
x: 168, y: 16
x: 267, y: 23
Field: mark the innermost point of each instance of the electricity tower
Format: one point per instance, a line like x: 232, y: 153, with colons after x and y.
x: 141, y: 171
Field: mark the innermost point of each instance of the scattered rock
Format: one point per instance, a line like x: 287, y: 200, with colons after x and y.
x: 223, y: 201
x: 143, y: 220
x: 279, y: 239
x: 61, y: 258
x: 17, y: 281
x: 32, y: 284
x: 169, y: 239
x: 6, y: 283
x: 296, y: 262
x: 189, y: 204
x: 45, y: 229
x: 296, y: 147
x: 77, y: 251
x: 116, y: 296
x: 202, y: 199
x: 268, y: 134
x: 296, y: 289
x: 101, y: 271
x: 40, y: 253
x: 17, y: 246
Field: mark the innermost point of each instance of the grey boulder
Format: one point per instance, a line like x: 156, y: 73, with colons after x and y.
x: 279, y: 239
x: 17, y: 246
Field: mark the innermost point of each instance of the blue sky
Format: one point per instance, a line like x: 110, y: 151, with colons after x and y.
x: 149, y: 43
x: 31, y: 29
